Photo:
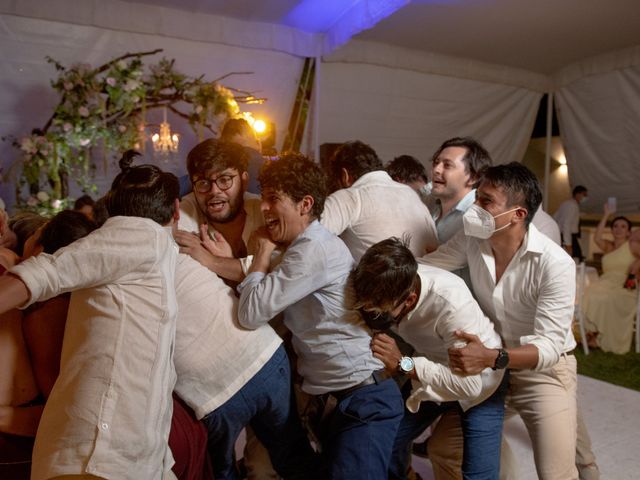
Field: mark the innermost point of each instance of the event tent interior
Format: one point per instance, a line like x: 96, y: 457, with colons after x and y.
x: 400, y: 75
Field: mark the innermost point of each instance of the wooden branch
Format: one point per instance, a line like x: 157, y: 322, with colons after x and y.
x: 126, y: 55
x: 216, y: 80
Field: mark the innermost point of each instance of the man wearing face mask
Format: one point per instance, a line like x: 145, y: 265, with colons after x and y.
x: 426, y: 306
x: 568, y: 218
x: 525, y: 284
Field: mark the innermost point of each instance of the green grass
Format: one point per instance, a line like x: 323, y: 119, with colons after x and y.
x: 623, y: 370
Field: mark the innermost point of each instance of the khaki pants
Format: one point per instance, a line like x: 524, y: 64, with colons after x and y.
x: 546, y: 401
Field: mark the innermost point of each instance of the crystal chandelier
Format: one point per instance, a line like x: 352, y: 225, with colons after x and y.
x: 165, y: 142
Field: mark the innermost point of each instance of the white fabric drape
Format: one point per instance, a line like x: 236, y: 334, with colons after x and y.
x: 401, y: 111
x: 599, y: 119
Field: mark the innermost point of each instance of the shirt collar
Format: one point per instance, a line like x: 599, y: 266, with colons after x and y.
x: 371, y: 177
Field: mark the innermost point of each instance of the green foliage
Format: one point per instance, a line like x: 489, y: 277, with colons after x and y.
x: 623, y: 370
x: 105, y: 107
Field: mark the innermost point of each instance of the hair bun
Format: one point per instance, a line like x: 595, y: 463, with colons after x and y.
x: 127, y: 159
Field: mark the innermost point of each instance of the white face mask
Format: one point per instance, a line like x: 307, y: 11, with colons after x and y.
x: 479, y: 223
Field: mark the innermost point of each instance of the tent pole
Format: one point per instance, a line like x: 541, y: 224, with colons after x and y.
x: 547, y: 153
x: 316, y: 111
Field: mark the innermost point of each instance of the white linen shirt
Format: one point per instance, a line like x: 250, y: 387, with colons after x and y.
x: 568, y: 219
x: 109, y: 412
x: 375, y: 208
x: 446, y: 305
x: 214, y: 357
x: 310, y: 285
x: 534, y: 300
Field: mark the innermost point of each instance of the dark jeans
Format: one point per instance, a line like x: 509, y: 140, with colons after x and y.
x: 482, y: 431
x: 266, y: 403
x: 361, y: 430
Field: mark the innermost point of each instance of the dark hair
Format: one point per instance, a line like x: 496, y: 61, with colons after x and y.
x: 406, y: 169
x: 385, y: 274
x: 217, y: 155
x: 296, y: 175
x: 65, y: 228
x: 518, y: 183
x: 142, y: 191
x: 579, y: 189
x: 100, y: 212
x: 476, y: 160
x: 236, y: 126
x: 624, y: 219
x: 25, y: 224
x: 82, y: 201
x: 357, y: 158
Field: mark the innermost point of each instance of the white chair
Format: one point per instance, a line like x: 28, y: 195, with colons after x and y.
x: 580, y: 286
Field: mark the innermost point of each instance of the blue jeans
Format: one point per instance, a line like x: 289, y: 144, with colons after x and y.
x: 360, y: 432
x: 482, y: 431
x: 266, y: 403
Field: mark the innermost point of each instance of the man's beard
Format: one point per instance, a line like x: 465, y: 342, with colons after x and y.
x: 235, y: 206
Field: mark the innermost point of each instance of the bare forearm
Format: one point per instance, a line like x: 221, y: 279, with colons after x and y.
x: 229, y: 268
x: 522, y: 358
x: 13, y: 292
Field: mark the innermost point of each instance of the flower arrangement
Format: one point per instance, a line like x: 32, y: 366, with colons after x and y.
x: 105, y: 107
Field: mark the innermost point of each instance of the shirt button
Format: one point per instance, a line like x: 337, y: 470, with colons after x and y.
x: 104, y: 426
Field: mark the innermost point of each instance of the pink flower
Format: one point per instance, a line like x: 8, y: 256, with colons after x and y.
x: 32, y: 201
x: 67, y: 127
x: 83, y: 111
x: 68, y: 86
x: 122, y: 128
x: 111, y: 81
x: 199, y: 109
x: 84, y: 142
x: 57, y: 203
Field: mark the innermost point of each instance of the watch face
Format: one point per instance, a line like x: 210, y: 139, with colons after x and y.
x: 406, y: 364
x: 503, y: 359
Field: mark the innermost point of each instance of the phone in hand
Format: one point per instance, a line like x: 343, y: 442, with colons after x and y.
x: 612, y: 204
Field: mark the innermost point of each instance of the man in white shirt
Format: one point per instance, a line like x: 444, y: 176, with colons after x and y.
x: 525, y: 283
x: 568, y: 218
x: 426, y: 306
x: 408, y: 170
x: 370, y: 206
x: 220, y: 202
x: 109, y: 412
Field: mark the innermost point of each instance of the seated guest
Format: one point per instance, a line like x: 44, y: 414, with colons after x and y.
x: 610, y: 303
x: 109, y: 411
x: 310, y: 286
x: 426, y: 306
x: 370, y: 206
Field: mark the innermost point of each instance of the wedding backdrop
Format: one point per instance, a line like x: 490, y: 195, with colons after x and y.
x: 401, y: 75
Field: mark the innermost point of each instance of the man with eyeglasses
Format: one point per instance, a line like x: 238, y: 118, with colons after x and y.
x: 426, y: 306
x: 218, y: 206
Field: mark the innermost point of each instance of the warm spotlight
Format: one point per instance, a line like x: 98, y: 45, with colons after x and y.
x: 259, y: 126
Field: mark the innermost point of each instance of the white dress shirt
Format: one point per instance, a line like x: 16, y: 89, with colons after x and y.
x: 214, y: 357
x: 109, y: 412
x: 568, y: 219
x: 547, y: 225
x: 534, y: 300
x: 375, y: 208
x: 446, y: 305
x: 310, y: 285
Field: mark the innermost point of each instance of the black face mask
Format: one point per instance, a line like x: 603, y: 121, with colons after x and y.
x: 377, y: 320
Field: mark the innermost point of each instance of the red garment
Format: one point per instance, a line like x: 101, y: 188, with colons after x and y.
x: 188, y: 443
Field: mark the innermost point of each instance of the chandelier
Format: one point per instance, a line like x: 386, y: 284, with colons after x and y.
x: 165, y: 142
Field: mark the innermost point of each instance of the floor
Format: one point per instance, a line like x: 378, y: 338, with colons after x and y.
x: 612, y: 415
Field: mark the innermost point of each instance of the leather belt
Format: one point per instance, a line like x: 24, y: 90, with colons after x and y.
x: 378, y: 376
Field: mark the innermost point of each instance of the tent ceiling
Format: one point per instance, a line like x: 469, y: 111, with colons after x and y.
x: 541, y: 36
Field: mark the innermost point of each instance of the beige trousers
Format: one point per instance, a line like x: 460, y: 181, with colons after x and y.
x: 546, y: 401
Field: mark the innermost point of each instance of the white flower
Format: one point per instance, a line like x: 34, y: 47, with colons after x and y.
x: 42, y: 196
x: 57, y: 203
x: 131, y: 85
x: 84, y: 142
x: 67, y: 127
x: 83, y: 111
x: 121, y: 64
x: 32, y: 201
x: 68, y: 86
x: 111, y: 81
x: 26, y: 145
x: 135, y: 99
x: 199, y: 109
x: 122, y: 128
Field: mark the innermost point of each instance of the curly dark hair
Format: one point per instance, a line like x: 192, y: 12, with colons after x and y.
x: 296, y: 175
x: 357, y: 158
x: 217, y: 155
x: 65, y: 228
x: 142, y: 191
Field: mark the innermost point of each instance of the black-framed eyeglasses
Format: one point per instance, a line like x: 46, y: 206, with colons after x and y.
x: 223, y: 182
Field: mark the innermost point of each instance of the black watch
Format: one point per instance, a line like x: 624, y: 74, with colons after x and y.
x: 502, y: 360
